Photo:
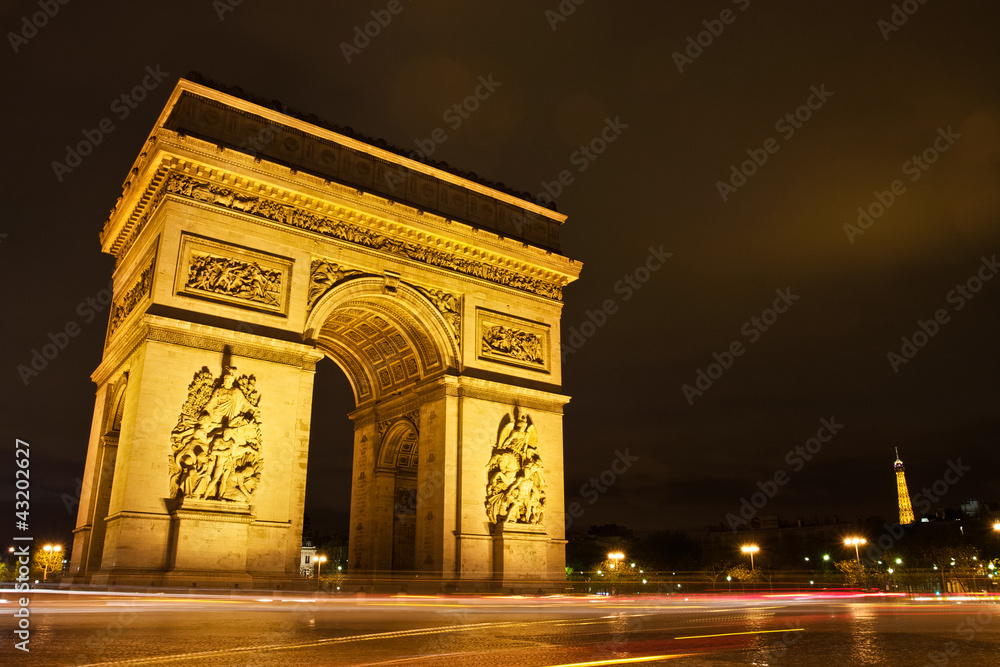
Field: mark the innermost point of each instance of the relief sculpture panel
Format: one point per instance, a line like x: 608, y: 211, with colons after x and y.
x: 449, y: 305
x: 242, y: 280
x: 515, y: 490
x: 233, y: 275
x: 323, y: 275
x: 141, y: 288
x: 511, y: 340
x: 216, y: 445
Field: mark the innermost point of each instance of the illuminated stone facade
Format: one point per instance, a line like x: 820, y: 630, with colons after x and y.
x: 237, y: 270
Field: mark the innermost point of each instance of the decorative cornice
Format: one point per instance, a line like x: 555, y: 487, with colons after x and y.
x: 145, y: 207
x: 442, y: 386
x: 168, y: 334
x: 552, y: 403
x: 137, y: 515
x: 213, y: 89
x: 202, y: 337
x: 331, y: 221
x: 408, y: 406
x: 220, y: 516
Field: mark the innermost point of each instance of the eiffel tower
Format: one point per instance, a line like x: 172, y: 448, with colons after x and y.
x: 905, y: 508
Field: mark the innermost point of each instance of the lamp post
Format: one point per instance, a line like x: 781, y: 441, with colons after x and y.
x: 614, y: 557
x: 855, y: 541
x: 750, y: 549
x: 319, y: 566
x: 46, y: 564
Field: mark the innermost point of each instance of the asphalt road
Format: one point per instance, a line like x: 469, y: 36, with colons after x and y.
x: 176, y: 629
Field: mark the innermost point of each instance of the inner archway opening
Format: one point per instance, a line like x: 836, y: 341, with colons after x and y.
x: 328, y: 478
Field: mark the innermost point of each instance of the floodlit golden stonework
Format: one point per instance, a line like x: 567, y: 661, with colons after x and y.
x: 249, y: 245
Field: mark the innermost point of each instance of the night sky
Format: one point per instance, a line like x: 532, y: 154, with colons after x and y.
x: 827, y: 106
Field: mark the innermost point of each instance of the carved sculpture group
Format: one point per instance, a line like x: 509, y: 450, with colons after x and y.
x: 507, y: 342
x: 515, y: 491
x: 448, y: 305
x: 135, y: 294
x: 216, y: 445
x: 244, y: 280
x: 323, y: 275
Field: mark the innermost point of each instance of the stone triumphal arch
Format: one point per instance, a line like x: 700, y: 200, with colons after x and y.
x: 249, y: 245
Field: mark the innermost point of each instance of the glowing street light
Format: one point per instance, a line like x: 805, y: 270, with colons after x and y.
x: 855, y: 541
x: 319, y: 565
x: 750, y: 549
x: 51, y: 557
x: 615, y: 556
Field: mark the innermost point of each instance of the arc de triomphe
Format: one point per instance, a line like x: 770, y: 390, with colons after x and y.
x: 249, y: 245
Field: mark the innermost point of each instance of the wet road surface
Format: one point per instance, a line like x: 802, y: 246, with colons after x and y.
x: 175, y: 629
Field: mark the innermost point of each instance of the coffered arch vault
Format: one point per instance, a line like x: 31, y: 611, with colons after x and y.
x: 385, y: 340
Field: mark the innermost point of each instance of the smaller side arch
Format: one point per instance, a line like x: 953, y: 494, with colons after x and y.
x: 399, y: 446
x: 116, y: 408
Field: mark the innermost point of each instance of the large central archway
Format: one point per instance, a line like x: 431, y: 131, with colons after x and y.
x: 391, y: 342
x: 385, y: 339
x: 438, y: 297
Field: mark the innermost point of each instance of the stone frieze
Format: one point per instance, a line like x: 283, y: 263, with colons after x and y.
x: 223, y: 196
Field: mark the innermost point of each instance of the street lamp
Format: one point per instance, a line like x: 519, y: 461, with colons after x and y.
x: 615, y: 556
x: 47, y: 564
x: 750, y: 549
x: 319, y: 565
x: 855, y: 541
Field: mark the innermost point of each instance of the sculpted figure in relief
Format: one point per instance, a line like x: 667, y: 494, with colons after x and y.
x: 323, y: 275
x: 216, y: 445
x: 447, y: 304
x: 515, y: 491
x: 245, y: 280
x: 507, y: 342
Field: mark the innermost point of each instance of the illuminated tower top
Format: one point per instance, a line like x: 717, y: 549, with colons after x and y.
x: 905, y: 508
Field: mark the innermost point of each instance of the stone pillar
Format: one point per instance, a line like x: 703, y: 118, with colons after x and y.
x: 383, y: 493
x: 153, y: 537
x: 95, y: 493
x: 210, y: 537
x: 485, y: 553
x: 520, y: 556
